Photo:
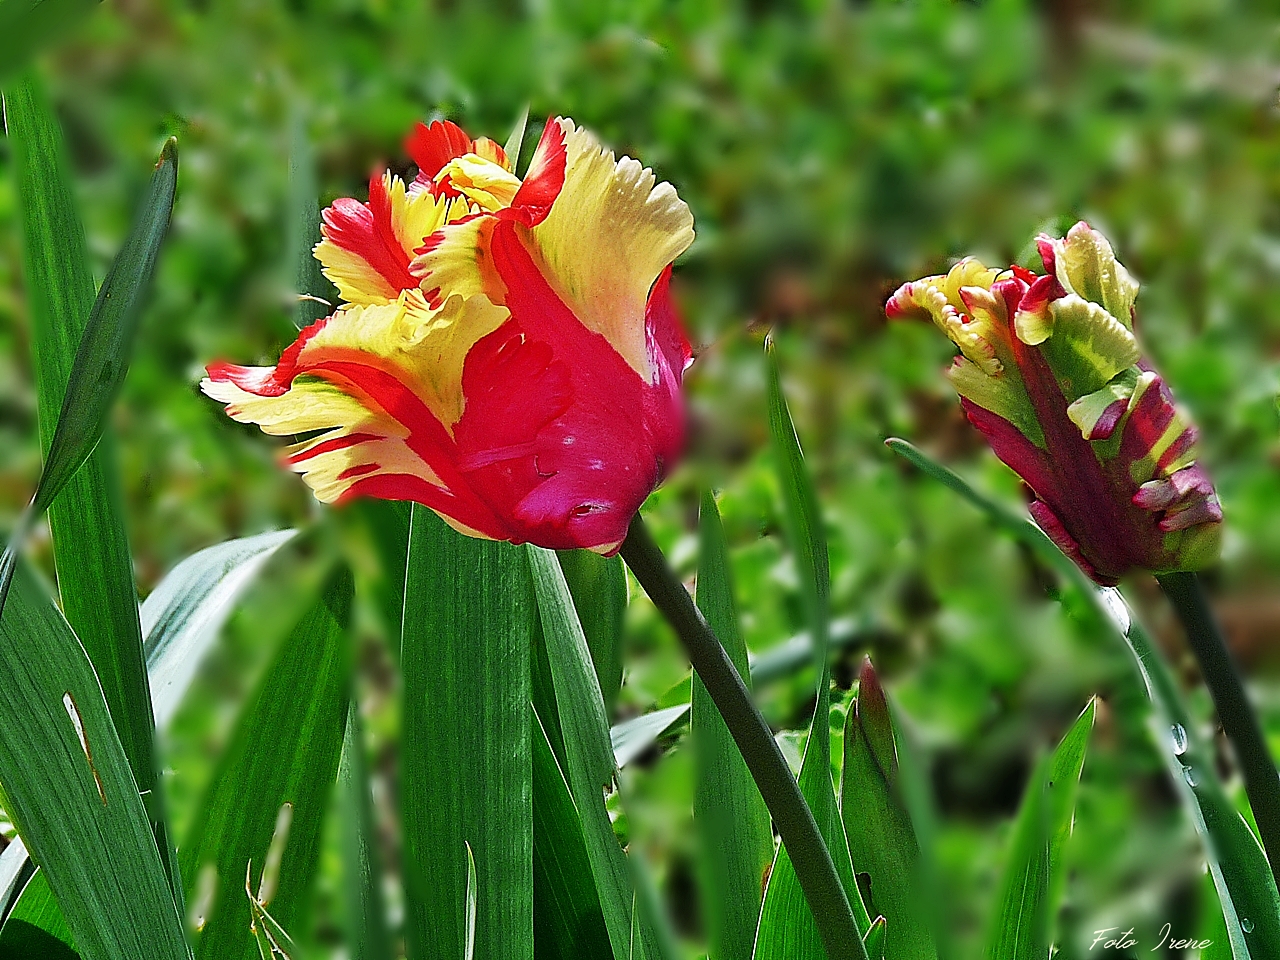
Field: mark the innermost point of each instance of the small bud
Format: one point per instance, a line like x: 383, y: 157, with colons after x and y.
x: 1051, y: 373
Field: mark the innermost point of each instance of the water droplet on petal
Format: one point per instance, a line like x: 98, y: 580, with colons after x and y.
x: 1246, y: 925
x: 1178, y: 735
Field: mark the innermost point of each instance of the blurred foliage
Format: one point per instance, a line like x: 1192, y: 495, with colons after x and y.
x: 828, y: 150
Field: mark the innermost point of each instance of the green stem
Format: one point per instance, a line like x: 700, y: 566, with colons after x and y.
x: 809, y: 855
x: 1239, y: 721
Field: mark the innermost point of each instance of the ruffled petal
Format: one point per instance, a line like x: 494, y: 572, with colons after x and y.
x: 609, y: 233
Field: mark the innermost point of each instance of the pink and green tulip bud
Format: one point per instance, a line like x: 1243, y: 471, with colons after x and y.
x: 508, y: 352
x: 1051, y: 373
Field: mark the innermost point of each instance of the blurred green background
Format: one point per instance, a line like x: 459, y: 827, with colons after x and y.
x: 829, y: 151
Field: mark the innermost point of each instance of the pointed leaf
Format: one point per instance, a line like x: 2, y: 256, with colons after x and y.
x: 184, y: 614
x: 467, y: 764
x: 882, y: 839
x: 635, y: 736
x: 271, y: 939
x: 787, y: 928
x: 367, y: 937
x: 267, y: 802
x: 589, y: 759
x: 567, y: 921
x: 516, y: 139
x: 69, y: 790
x: 599, y: 588
x: 735, y: 838
x: 90, y: 548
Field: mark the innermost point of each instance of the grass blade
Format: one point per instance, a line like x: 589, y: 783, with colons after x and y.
x: 102, y: 354
x: 567, y: 920
x: 516, y: 140
x: 267, y: 802
x: 183, y: 615
x: 90, y: 548
x: 599, y: 588
x: 735, y: 838
x: 362, y: 871
x: 27, y: 26
x: 633, y: 737
x: 69, y: 789
x: 1034, y: 875
x: 12, y: 859
x: 469, y: 918
x: 467, y: 764
x: 882, y: 838
x: 1246, y: 888
x: 589, y: 761
x: 272, y: 941
x: 787, y: 929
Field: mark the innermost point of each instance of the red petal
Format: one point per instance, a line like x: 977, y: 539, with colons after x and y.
x: 431, y: 147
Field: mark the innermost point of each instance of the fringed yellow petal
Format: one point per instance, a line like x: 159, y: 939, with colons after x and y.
x: 609, y: 234
x: 485, y: 183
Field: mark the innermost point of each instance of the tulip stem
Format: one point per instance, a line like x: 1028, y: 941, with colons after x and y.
x: 809, y: 855
x: 1239, y: 721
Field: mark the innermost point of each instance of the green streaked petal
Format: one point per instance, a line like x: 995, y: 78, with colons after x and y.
x: 1088, y: 347
x: 1086, y: 265
x: 1003, y: 395
x: 1088, y: 410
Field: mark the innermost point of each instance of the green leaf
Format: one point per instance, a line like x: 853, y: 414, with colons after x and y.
x: 315, y: 295
x: 27, y: 26
x: 876, y: 939
x: 787, y: 929
x: 466, y: 769
x: 366, y: 924
x: 599, y: 588
x: 882, y: 839
x: 1246, y: 888
x: 90, y: 548
x: 102, y: 355
x: 35, y: 927
x: 272, y: 941
x: 267, y: 802
x: 70, y: 792
x: 469, y: 918
x: 1034, y: 875
x: 184, y: 614
x: 732, y: 822
x: 589, y: 761
x: 516, y: 139
x: 567, y: 920
x: 633, y: 737
x: 387, y: 525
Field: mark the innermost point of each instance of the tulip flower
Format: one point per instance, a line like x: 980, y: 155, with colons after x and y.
x: 508, y: 352
x: 1051, y: 373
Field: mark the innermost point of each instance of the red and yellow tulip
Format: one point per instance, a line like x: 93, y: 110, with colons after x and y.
x: 1051, y: 373
x: 508, y: 352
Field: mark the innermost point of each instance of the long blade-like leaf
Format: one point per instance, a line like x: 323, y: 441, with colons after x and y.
x: 267, y: 802
x: 633, y: 737
x: 882, y: 838
x: 567, y: 921
x: 102, y: 355
x: 1024, y: 913
x: 599, y: 588
x: 787, y: 928
x: 183, y: 615
x: 362, y: 870
x: 466, y: 767
x: 1246, y: 888
x: 69, y: 789
x: 12, y: 859
x: 589, y: 760
x: 90, y: 548
x: 735, y: 839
